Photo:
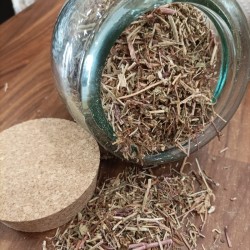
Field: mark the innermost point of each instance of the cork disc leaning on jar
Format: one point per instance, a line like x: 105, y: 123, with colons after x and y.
x: 48, y: 173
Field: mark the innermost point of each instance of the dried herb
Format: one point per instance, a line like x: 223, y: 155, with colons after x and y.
x: 158, y: 80
x: 229, y: 243
x: 138, y: 210
x: 6, y: 86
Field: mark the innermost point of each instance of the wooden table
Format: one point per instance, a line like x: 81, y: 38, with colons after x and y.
x: 27, y: 91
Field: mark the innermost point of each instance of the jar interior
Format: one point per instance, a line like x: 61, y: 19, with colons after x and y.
x: 110, y: 30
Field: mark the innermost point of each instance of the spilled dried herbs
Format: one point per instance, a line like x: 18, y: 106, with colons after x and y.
x: 138, y: 210
x: 158, y: 80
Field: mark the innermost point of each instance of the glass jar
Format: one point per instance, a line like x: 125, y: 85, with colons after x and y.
x: 87, y: 29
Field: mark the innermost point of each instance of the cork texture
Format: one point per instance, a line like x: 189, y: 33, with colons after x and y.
x: 48, y: 172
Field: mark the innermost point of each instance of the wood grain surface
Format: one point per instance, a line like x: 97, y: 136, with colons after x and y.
x: 27, y: 91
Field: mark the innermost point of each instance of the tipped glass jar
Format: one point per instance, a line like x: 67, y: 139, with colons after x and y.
x: 85, y: 32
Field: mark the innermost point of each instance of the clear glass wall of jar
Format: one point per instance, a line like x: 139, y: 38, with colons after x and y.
x: 84, y: 34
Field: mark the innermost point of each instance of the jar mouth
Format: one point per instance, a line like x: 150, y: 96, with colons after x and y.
x: 121, y: 16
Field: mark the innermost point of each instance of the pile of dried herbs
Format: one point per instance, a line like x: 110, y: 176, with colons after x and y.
x: 158, y: 80
x: 138, y: 210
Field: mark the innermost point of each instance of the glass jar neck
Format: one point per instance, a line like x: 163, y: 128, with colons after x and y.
x: 222, y: 13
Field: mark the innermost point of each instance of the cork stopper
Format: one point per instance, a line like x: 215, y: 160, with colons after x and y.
x: 48, y: 172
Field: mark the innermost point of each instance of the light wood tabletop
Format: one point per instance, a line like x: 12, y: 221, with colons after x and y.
x: 27, y: 91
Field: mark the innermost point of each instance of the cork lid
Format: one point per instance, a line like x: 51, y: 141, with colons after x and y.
x: 48, y: 172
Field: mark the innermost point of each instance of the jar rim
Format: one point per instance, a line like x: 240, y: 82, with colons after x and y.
x: 124, y: 13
